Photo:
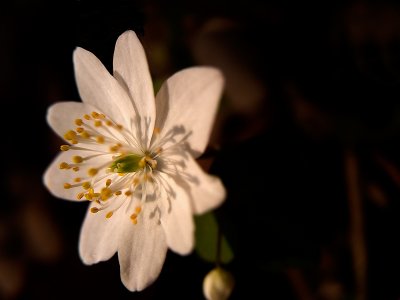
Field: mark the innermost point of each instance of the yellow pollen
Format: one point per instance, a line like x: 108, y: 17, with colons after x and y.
x: 67, y: 186
x: 100, y: 139
x: 80, y: 196
x: 86, y: 185
x: 156, y: 130
x: 138, y: 209
x: 92, y: 172
x: 79, y: 130
x: 87, y: 117
x: 133, y: 216
x: 128, y: 193
x: 70, y: 135
x: 109, y: 214
x: 76, y: 169
x: 109, y: 123
x: 108, y: 182
x: 119, y: 126
x: 88, y: 196
x: 134, y: 221
x: 105, y: 193
x: 94, y: 210
x: 115, y: 148
x: 77, y: 159
x: 64, y: 165
x: 78, y: 122
x: 101, y: 116
x: 95, y: 114
x: 65, y: 147
x: 85, y: 134
x: 117, y: 193
x: 74, y: 142
x: 77, y: 179
x: 98, y: 123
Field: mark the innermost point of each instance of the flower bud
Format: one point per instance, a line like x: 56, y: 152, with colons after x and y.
x: 218, y: 284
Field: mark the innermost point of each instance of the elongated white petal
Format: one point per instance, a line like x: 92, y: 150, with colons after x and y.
x: 97, y: 87
x: 132, y: 72
x: 100, y: 235
x: 141, y: 252
x: 177, y: 220
x: 54, y: 178
x: 190, y: 98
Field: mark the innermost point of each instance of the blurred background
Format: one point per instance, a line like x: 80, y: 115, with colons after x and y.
x: 306, y: 142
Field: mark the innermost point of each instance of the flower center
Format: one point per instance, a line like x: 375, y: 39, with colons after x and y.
x: 110, y: 163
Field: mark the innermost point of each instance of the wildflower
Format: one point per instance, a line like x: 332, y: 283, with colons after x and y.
x: 132, y: 155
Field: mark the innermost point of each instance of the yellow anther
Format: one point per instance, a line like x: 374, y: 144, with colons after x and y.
x: 96, y: 195
x: 87, y: 117
x: 109, y: 123
x: 78, y: 122
x: 136, y: 181
x: 108, y: 182
x: 88, y: 196
x: 95, y: 114
x: 77, y: 159
x: 128, y: 193
x: 67, y: 186
x: 117, y: 193
x: 101, y: 116
x: 109, y: 214
x: 121, y: 174
x: 79, y: 130
x: 64, y: 147
x: 94, y: 210
x: 138, y: 209
x: 86, y: 185
x: 74, y: 142
x: 80, y: 196
x: 133, y: 216
x: 100, y: 139
x: 76, y: 169
x: 70, y: 135
x: 78, y: 179
x: 85, y: 134
x: 92, y: 172
x: 119, y: 126
x: 156, y: 130
x: 64, y: 165
x: 142, y: 163
x: 159, y: 150
x: 98, y: 123
x: 114, y: 148
x: 105, y: 194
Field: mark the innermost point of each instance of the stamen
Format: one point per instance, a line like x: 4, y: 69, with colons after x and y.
x: 108, y: 182
x: 64, y: 147
x: 70, y: 135
x: 87, y: 117
x: 86, y: 185
x: 78, y: 122
x: 109, y: 214
x: 92, y: 172
x: 67, y: 186
x: 77, y: 159
x: 105, y: 194
x: 79, y: 196
x: 64, y: 165
x: 94, y: 210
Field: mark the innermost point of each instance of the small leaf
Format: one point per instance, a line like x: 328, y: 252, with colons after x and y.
x: 207, y: 239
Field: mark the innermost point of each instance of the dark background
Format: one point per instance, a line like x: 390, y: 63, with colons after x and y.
x: 306, y: 142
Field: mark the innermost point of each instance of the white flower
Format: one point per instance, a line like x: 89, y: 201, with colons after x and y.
x: 133, y: 156
x: 218, y: 284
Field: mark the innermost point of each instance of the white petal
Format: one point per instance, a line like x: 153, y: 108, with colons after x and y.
x: 97, y: 87
x: 177, y: 219
x: 206, y: 192
x: 132, y: 71
x: 190, y: 98
x: 141, y: 252
x: 54, y: 177
x: 100, y: 236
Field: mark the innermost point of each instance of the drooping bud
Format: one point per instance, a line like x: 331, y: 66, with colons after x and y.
x: 218, y: 284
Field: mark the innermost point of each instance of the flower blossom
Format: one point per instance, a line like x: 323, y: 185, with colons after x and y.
x: 132, y: 155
